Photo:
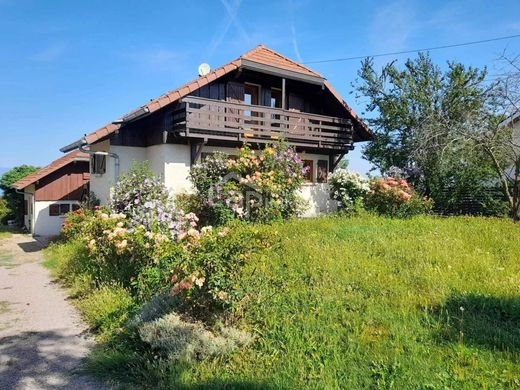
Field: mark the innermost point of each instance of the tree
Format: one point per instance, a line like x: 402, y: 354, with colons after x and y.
x: 15, y: 200
x: 4, y: 210
x: 417, y: 109
x: 495, y: 132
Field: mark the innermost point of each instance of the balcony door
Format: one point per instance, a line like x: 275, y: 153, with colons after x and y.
x: 251, y: 97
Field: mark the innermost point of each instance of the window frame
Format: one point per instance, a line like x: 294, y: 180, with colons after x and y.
x: 98, y: 164
x: 59, y: 209
x: 309, y: 176
x: 320, y: 165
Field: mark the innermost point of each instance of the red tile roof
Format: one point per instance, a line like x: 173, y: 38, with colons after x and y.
x: 76, y: 155
x: 260, y: 54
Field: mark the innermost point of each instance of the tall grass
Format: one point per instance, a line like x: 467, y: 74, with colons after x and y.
x: 382, y: 303
x: 365, y: 303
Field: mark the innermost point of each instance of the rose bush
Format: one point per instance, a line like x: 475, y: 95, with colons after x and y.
x: 347, y: 187
x: 395, y: 198
x: 255, y: 186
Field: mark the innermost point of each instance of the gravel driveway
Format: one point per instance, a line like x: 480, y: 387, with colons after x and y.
x: 42, y: 340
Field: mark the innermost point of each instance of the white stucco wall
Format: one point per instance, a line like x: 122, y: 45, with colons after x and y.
x: 44, y: 224
x: 172, y: 163
x: 101, y: 184
x: 317, y: 200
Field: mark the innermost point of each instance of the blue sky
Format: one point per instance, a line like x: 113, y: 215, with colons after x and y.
x: 69, y: 67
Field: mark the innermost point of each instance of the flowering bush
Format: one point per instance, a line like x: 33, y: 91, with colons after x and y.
x: 347, y: 187
x: 202, y: 276
x: 254, y: 187
x: 395, y: 197
x: 146, y: 202
x: 72, y: 225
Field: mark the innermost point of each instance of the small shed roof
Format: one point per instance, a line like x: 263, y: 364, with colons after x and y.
x: 75, y: 155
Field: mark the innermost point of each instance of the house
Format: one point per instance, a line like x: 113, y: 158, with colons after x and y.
x: 258, y: 98
x: 513, y: 122
x: 53, y: 191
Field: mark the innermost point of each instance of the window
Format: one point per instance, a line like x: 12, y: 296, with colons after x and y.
x: 251, y: 94
x: 64, y: 208
x: 54, y: 210
x: 57, y: 209
x: 309, y: 175
x: 323, y: 171
x: 25, y: 207
x: 98, y: 164
x: 75, y: 207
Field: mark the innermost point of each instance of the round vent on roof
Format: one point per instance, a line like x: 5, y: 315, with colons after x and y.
x: 204, y: 69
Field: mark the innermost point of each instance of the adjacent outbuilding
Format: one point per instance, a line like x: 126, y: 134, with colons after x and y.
x: 53, y: 191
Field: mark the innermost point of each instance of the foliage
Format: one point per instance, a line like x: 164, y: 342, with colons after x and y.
x: 359, y: 303
x: 395, y: 198
x: 73, y: 224
x: 145, y: 201
x: 183, y: 340
x: 254, y: 187
x: 205, y: 280
x: 5, y: 211
x: 13, y: 199
x: 347, y: 187
x: 106, y: 309
x: 418, y: 110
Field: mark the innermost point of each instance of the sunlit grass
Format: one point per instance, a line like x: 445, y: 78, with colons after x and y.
x: 371, y: 302
x: 364, y: 302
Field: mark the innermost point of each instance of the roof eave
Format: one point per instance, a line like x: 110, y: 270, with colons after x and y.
x: 277, y: 71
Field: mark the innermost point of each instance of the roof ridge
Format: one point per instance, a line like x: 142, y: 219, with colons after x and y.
x: 288, y: 59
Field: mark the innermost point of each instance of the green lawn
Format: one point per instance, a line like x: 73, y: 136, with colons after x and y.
x: 372, y: 302
x: 365, y: 302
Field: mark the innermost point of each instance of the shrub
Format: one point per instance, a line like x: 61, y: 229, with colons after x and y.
x: 107, y: 308
x: 182, y: 340
x: 205, y: 278
x: 73, y: 224
x: 118, y: 252
x: 5, y: 211
x: 146, y: 202
x: 395, y: 198
x: 347, y: 187
x: 254, y: 187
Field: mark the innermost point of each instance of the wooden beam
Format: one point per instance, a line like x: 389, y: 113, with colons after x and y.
x: 196, y: 150
x: 283, y: 94
x: 336, y: 162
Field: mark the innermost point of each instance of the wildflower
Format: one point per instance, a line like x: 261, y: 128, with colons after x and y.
x: 200, y: 281
x: 176, y: 289
x: 222, y: 295
x: 206, y: 229
x: 193, y: 233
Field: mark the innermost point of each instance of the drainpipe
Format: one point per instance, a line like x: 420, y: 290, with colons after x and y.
x: 84, y: 143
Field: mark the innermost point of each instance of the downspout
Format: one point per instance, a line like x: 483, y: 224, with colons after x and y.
x: 84, y: 143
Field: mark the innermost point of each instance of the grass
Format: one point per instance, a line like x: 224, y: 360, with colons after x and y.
x: 368, y: 303
x: 7, y: 231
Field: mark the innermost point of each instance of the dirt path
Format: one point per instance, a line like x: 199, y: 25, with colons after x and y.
x: 42, y: 340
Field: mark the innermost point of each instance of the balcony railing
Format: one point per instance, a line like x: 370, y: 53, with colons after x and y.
x: 215, y: 119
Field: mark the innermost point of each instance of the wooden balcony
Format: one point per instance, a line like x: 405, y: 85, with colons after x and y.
x: 218, y: 120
